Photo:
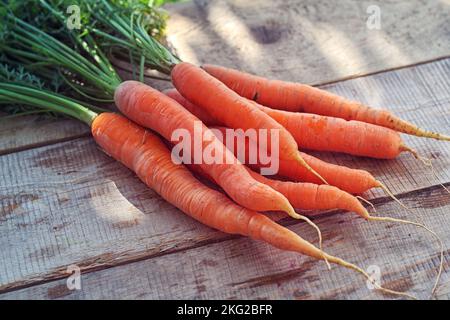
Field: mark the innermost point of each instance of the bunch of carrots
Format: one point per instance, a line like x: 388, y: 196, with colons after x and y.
x: 141, y: 135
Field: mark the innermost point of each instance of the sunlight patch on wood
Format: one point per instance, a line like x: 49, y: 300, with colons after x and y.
x: 111, y: 205
x: 177, y: 37
x: 336, y: 47
x: 234, y: 32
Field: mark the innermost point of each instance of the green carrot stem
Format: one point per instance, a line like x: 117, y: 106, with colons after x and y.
x: 46, y: 100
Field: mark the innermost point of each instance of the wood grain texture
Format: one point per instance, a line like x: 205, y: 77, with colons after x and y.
x: 24, y: 132
x: 244, y: 269
x: 69, y: 203
x: 309, y: 41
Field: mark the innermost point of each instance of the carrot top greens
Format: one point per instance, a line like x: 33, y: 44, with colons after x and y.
x: 43, y: 62
x: 22, y: 99
x: 24, y: 93
x: 41, y: 52
x: 128, y: 29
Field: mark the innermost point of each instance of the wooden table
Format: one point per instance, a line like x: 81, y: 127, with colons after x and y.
x: 63, y: 202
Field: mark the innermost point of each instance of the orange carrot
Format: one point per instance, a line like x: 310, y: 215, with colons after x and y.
x: 306, y: 196
x: 229, y: 108
x: 323, y: 133
x: 354, y: 181
x: 200, y: 113
x: 310, y: 196
x: 344, y: 178
x: 298, y: 97
x: 145, y: 154
x: 152, y: 109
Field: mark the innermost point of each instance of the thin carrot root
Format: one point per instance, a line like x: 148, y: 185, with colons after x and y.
x: 291, y: 211
x: 368, y: 217
x: 310, y: 169
x: 391, y: 195
x: 430, y: 134
x: 368, y: 202
x: 404, y: 147
x: 427, y: 162
x: 319, y: 233
x: 421, y: 225
x: 349, y: 265
x: 410, y: 128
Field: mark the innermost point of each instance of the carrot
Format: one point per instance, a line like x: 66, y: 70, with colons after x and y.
x: 305, y: 196
x: 298, y: 97
x: 200, y: 113
x: 308, y: 196
x: 323, y: 133
x: 351, y: 180
x: 152, y: 109
x: 226, y: 106
x: 354, y: 181
x: 347, y: 179
x: 145, y: 154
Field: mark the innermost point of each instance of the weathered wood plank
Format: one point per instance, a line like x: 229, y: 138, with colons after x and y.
x: 69, y: 203
x: 25, y: 132
x: 309, y: 41
x: 245, y: 269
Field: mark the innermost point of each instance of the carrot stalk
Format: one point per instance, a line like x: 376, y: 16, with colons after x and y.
x: 427, y: 162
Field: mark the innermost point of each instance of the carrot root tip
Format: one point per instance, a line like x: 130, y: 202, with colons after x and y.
x: 308, y: 167
x: 319, y: 234
x: 426, y: 161
x: 368, y: 202
x: 351, y: 266
x: 421, y: 225
x: 391, y: 195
